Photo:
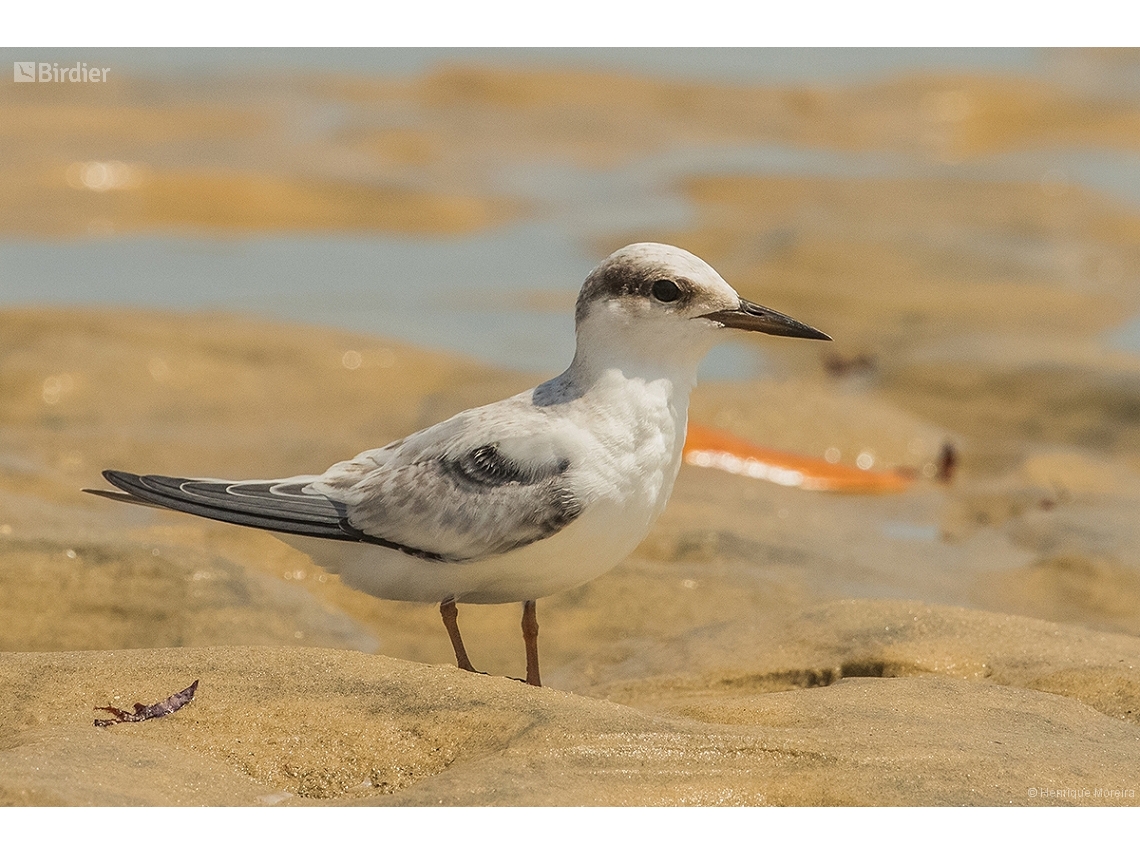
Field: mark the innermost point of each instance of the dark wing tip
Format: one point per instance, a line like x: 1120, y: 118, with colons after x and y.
x: 315, y: 516
x: 121, y: 497
x: 124, y: 481
x: 128, y: 482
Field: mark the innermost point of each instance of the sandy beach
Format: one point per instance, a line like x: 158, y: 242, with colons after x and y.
x: 972, y: 641
x: 720, y: 664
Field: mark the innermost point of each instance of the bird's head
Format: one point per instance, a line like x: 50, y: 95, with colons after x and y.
x: 657, y: 303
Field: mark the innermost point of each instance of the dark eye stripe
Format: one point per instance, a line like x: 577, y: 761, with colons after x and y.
x: 665, y: 290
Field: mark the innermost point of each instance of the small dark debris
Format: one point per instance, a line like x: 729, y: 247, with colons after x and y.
x: 870, y: 668
x: 142, y: 713
x: 841, y: 366
x: 947, y: 463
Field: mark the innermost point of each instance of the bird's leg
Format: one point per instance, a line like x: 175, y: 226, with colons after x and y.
x: 450, y: 620
x: 530, y: 638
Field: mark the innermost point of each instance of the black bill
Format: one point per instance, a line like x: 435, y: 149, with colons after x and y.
x: 756, y: 318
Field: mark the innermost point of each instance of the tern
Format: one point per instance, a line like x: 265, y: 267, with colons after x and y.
x: 526, y: 497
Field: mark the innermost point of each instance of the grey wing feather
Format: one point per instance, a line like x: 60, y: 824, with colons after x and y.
x: 461, y: 506
x: 453, y: 508
x: 276, y: 506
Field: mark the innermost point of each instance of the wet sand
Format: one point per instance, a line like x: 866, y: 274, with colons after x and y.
x: 720, y: 664
x: 284, y: 726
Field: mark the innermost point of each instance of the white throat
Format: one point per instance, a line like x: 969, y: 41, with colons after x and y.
x: 610, y: 346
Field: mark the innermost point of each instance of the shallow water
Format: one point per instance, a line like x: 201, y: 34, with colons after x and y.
x: 502, y: 295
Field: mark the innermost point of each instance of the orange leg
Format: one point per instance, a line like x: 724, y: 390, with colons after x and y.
x: 530, y: 637
x: 450, y: 620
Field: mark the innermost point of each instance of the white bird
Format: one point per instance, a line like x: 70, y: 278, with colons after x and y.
x: 525, y: 497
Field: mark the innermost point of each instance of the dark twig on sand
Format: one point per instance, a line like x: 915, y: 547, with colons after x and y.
x: 142, y: 713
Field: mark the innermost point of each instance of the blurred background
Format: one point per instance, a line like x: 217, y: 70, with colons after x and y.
x: 964, y: 223
x: 457, y: 198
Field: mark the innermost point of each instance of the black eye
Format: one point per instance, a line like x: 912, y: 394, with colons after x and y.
x: 666, y: 290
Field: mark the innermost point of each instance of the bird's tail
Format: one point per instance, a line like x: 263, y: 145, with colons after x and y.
x: 289, y: 506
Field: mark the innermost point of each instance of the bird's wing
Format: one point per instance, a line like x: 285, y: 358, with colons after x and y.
x: 455, y: 501
x: 463, y: 502
x: 288, y: 506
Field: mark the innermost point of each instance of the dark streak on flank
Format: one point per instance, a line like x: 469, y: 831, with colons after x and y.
x: 360, y: 536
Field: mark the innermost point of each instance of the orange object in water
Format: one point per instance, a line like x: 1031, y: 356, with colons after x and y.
x: 719, y: 450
